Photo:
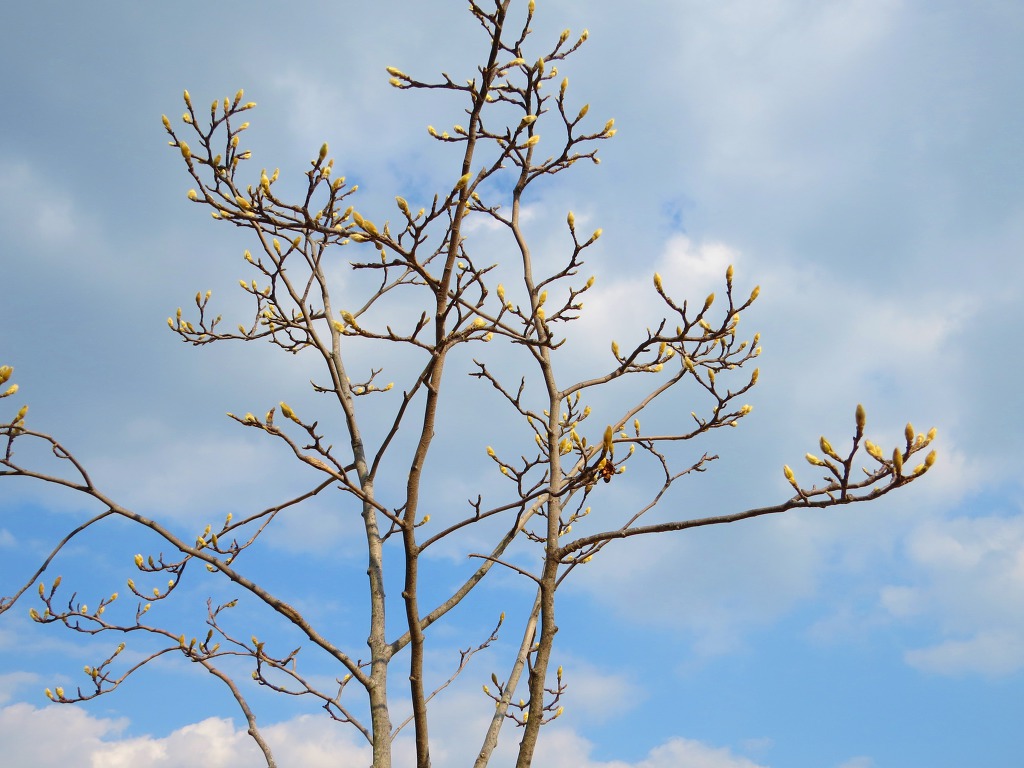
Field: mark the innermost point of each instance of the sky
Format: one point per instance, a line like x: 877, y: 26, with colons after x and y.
x: 859, y: 160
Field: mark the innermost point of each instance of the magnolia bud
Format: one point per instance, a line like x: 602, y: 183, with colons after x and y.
x: 826, y: 446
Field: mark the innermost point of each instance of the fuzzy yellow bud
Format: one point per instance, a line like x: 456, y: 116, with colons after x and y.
x: 862, y: 417
x: 826, y: 446
x: 897, y: 461
x: 138, y: 561
x: 755, y: 293
x: 930, y: 458
x: 287, y: 411
x: 812, y: 459
x: 479, y: 323
x: 60, y: 692
x: 908, y: 432
x: 463, y: 181
x: 615, y: 348
x: 789, y: 474
x: 729, y: 274
x: 708, y: 302
x: 657, y: 282
x: 532, y: 141
x: 754, y: 375
x: 323, y: 151
x: 607, y: 444
x: 932, y: 433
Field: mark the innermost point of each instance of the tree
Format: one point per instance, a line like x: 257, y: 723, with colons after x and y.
x: 433, y: 299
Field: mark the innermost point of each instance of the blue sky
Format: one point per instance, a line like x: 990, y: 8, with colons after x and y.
x: 861, y: 161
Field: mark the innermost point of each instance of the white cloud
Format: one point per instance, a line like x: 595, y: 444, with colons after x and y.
x: 682, y: 753
x: 968, y: 580
x: 39, y: 209
x: 211, y: 743
x: 28, y: 733
x: 713, y: 583
x: 310, y: 741
x: 992, y: 654
x: 12, y: 681
x: 858, y: 762
x: 689, y: 270
x: 594, y: 695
